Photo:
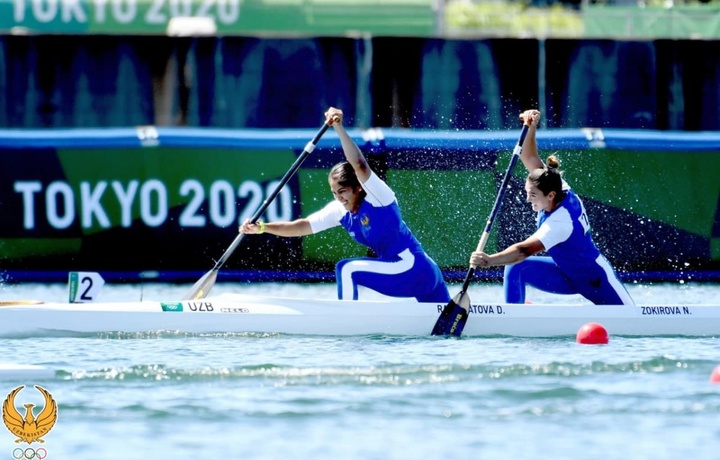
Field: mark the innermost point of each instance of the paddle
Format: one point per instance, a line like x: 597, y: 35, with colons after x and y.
x: 10, y: 303
x: 455, y: 314
x: 202, y: 287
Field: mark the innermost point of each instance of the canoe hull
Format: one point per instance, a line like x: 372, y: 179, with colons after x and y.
x: 234, y: 313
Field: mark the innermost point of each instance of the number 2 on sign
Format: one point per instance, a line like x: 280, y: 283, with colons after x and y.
x: 84, y: 286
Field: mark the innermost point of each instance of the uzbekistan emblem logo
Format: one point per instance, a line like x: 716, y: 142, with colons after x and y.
x: 365, y: 220
x: 29, y: 428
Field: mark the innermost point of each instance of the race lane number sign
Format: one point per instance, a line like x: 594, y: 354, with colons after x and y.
x: 84, y: 287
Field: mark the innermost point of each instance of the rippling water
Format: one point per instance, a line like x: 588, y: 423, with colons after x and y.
x: 242, y: 396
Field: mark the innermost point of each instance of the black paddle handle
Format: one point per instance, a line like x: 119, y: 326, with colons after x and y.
x: 285, y: 179
x: 498, y: 201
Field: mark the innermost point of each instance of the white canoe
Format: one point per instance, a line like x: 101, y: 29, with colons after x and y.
x: 236, y: 313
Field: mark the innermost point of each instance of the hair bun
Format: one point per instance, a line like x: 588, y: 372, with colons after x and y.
x: 552, y: 162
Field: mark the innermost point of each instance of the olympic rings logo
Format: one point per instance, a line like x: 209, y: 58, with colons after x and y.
x: 29, y: 453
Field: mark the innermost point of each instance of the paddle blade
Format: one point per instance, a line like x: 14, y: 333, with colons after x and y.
x: 454, y: 316
x: 202, y: 287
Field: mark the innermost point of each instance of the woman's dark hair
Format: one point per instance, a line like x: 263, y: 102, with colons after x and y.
x: 344, y: 174
x: 549, y: 179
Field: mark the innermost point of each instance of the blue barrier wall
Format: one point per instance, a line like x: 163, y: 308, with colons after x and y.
x: 420, y: 83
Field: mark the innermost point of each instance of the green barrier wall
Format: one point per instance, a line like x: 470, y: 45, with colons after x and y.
x: 696, y: 21
x: 171, y: 199
x: 229, y: 17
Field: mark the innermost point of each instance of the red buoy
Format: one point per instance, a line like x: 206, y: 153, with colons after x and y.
x: 592, y: 334
x: 715, y: 375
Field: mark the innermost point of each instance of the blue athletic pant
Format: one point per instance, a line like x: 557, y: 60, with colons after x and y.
x: 412, y: 275
x: 598, y: 283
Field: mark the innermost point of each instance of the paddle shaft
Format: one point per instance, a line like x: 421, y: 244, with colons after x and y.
x: 201, y: 288
x: 261, y: 210
x: 498, y: 201
x: 455, y: 314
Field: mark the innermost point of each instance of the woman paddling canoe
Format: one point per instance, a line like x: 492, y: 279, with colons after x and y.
x: 575, y: 264
x: 367, y: 208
